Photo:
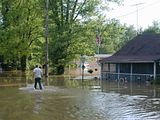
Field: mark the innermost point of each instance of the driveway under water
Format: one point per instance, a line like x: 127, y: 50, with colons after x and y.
x: 74, y: 100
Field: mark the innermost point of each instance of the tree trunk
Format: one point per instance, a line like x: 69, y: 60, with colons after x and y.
x: 23, y: 63
x: 60, y: 70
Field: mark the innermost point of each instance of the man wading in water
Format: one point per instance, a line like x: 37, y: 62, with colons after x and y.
x: 37, y: 77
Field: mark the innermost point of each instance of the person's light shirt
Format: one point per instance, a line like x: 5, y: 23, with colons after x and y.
x: 37, y: 72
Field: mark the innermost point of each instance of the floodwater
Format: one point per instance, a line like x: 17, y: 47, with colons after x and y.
x: 67, y: 99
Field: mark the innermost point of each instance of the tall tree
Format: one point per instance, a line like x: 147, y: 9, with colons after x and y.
x: 68, y: 17
x: 21, y: 29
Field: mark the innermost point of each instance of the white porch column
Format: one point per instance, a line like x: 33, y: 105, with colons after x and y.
x: 118, y: 70
x: 154, y: 73
x: 131, y: 71
x: 101, y: 70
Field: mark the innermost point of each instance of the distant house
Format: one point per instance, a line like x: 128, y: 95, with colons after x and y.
x: 101, y: 56
x: 139, y: 59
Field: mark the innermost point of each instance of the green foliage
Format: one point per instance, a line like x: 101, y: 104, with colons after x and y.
x: 21, y: 29
x: 114, y: 35
x: 155, y: 28
x: 128, y: 34
x: 72, y: 31
x: 70, y: 34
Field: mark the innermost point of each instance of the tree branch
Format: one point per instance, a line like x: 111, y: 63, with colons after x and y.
x: 67, y: 11
x: 80, y: 8
x: 73, y: 10
x: 62, y: 16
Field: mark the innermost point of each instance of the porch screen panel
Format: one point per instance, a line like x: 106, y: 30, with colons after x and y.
x: 125, y: 68
x: 105, y: 67
x: 113, y: 68
x: 143, y: 68
x: 157, y: 68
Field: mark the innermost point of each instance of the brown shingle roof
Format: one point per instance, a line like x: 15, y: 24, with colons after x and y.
x: 143, y: 48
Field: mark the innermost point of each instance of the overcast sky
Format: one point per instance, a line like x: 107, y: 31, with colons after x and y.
x: 148, y: 11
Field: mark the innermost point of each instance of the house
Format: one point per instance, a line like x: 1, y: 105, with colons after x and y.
x: 139, y: 59
x: 101, y: 56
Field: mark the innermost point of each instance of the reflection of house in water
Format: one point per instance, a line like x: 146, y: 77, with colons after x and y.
x: 139, y: 59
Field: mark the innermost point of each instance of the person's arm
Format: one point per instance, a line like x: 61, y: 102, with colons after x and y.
x: 33, y: 73
x: 41, y: 72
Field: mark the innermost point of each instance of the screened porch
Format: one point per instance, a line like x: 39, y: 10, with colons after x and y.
x: 130, y: 71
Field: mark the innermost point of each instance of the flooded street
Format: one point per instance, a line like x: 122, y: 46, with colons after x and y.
x: 73, y: 100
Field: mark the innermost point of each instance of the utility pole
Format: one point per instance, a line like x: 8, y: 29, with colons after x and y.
x: 137, y: 5
x: 98, y: 39
x: 46, y: 43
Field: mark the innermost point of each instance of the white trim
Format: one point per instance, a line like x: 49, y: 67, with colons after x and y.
x: 131, y: 73
x: 126, y: 73
x: 154, y: 72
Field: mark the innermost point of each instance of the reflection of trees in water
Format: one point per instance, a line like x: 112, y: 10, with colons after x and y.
x: 12, y: 78
x: 57, y: 80
x: 37, y: 103
x: 29, y: 77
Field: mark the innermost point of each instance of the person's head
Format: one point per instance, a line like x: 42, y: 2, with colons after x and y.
x: 36, y: 66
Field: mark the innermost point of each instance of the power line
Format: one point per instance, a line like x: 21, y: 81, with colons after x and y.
x: 147, y: 6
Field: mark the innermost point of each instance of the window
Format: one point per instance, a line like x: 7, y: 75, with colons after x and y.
x: 125, y: 68
x: 143, y: 68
